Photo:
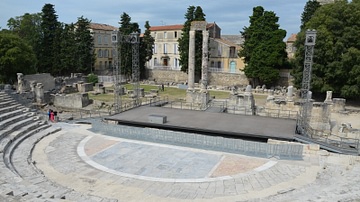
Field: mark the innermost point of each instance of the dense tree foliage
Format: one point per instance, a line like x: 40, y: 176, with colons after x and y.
x: 28, y: 28
x: 85, y: 46
x: 263, y: 49
x: 126, y: 28
x: 59, y: 48
x: 336, y: 64
x: 193, y: 14
x: 310, y: 7
x: 48, y: 44
x: 16, y: 55
x: 146, y: 45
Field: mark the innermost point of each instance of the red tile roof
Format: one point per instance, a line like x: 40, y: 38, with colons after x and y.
x: 292, y: 38
x: 166, y: 27
x: 175, y: 27
x: 98, y: 26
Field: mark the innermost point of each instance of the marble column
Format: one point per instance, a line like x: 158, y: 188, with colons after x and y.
x: 191, y: 65
x: 204, y: 65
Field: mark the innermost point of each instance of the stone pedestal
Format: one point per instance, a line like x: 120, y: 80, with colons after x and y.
x: 328, y: 98
x: 197, y: 97
x: 289, y: 93
x: 244, y: 100
x: 338, y: 104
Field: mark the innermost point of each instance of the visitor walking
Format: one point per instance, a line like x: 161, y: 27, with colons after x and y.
x: 52, y: 119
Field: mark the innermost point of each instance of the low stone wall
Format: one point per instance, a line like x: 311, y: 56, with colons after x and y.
x: 217, y: 143
x: 46, y: 79
x: 227, y: 79
x: 165, y: 76
x: 215, y: 78
x: 72, y: 101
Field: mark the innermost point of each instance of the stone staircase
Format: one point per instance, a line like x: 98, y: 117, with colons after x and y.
x: 20, y: 180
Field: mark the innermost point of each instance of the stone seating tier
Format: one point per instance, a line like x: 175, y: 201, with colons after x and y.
x: 14, y: 119
x: 10, y: 108
x: 7, y: 103
x: 20, y: 130
x: 10, y: 114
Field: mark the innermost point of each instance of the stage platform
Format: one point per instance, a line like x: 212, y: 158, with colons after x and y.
x: 209, y: 123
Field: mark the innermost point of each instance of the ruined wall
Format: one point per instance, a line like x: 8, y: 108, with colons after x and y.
x: 163, y: 76
x: 72, y: 101
x: 45, y: 78
x: 215, y: 78
x: 227, y: 79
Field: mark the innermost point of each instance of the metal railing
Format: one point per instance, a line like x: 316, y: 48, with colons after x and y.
x: 328, y: 140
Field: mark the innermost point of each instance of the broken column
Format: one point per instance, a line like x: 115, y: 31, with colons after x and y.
x: 289, y: 94
x: 20, y: 86
x: 39, y: 93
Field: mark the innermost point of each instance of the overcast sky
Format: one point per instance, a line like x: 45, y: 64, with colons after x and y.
x: 230, y: 15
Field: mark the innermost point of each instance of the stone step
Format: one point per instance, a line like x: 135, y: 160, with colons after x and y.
x: 11, y: 114
x: 7, y: 103
x: 10, y: 108
x: 14, y: 119
x: 15, y: 126
x: 5, y: 99
x: 9, y: 149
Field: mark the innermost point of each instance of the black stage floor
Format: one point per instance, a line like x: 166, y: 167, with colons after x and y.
x: 219, y: 124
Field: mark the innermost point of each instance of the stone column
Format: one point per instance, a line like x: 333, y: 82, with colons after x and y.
x: 39, y: 92
x: 20, y: 87
x: 204, y: 66
x: 328, y: 97
x: 289, y: 94
x: 191, y: 65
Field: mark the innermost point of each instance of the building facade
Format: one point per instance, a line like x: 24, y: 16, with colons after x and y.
x: 223, y: 52
x: 103, y: 46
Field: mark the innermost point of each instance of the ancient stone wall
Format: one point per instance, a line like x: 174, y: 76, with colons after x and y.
x: 163, y: 76
x: 215, y: 78
x: 72, y: 101
x: 46, y: 79
x: 227, y: 79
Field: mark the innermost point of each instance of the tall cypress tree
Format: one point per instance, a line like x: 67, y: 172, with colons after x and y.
x: 126, y: 28
x: 310, y: 7
x: 85, y: 46
x: 48, y: 48
x: 146, y: 45
x: 193, y: 14
x: 263, y: 49
x: 69, y: 62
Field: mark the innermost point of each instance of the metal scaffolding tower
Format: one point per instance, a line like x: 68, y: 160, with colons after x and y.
x: 310, y: 39
x: 117, y: 40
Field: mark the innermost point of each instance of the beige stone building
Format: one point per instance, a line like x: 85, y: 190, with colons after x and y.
x: 223, y: 51
x: 290, y: 46
x: 102, y: 45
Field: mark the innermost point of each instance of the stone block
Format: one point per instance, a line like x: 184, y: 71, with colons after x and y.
x: 159, y: 119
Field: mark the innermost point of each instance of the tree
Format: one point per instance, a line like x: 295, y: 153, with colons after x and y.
x: 16, y: 56
x: 69, y: 62
x: 263, y: 49
x: 193, y: 14
x: 27, y: 27
x: 126, y: 28
x: 310, y: 7
x: 85, y: 46
x: 49, y: 45
x: 146, y: 45
x: 337, y: 51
